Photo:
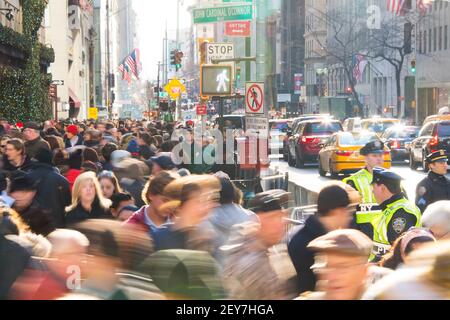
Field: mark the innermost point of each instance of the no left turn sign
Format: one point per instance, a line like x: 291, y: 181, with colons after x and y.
x: 254, y: 97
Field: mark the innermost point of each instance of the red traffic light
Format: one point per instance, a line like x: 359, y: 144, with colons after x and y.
x: 348, y: 90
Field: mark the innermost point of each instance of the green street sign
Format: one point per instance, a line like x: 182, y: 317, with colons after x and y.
x: 231, y: 13
x: 163, y: 95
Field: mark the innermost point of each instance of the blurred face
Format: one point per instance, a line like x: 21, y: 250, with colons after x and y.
x: 11, y: 153
x: 439, y: 167
x: 156, y: 202
x: 379, y: 191
x: 273, y: 227
x: 30, y: 134
x: 343, y: 276
x: 342, y: 218
x: 87, y: 191
x: 3, y: 145
x: 101, y: 127
x: 69, y: 135
x: 440, y: 232
x: 156, y: 169
x: 107, y: 188
x: 374, y: 160
x: 23, y: 199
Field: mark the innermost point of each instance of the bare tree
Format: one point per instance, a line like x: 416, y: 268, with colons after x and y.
x: 342, y: 45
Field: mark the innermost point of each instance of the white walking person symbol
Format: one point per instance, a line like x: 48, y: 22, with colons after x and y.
x: 222, y: 79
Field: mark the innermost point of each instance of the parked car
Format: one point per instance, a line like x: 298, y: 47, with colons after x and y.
x: 399, y: 139
x: 305, y: 144
x: 378, y: 125
x: 352, y: 125
x: 432, y: 137
x: 341, y: 153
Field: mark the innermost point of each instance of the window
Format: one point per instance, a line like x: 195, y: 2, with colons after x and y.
x: 420, y: 42
x: 427, y: 130
x: 430, y: 39
x: 425, y: 41
x: 440, y: 38
x: 446, y: 37
x: 435, y: 40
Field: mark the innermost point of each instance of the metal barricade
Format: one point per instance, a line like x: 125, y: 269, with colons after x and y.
x: 297, y: 219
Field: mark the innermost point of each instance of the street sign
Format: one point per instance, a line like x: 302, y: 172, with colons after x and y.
x: 175, y: 88
x: 93, y: 113
x: 215, y: 80
x: 238, y: 29
x: 229, y: 13
x: 258, y: 124
x: 58, y: 82
x: 254, y: 98
x: 218, y: 51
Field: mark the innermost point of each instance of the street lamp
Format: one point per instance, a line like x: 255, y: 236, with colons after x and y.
x: 9, y: 16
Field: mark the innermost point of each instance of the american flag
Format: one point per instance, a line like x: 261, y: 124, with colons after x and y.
x: 125, y: 74
x: 396, y: 6
x: 357, y: 72
x: 133, y: 62
x: 423, y: 6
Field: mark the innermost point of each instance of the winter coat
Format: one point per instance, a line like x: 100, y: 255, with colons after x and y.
x: 14, y: 259
x: 8, y: 166
x: 221, y: 221
x: 302, y: 257
x: 32, y: 147
x: 248, y: 271
x: 53, y: 191
x: 71, y: 176
x: 79, y: 214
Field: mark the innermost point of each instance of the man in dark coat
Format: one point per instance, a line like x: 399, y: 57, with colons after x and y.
x: 34, y: 141
x: 53, y: 191
x: 332, y: 214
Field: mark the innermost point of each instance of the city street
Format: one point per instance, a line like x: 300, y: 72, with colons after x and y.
x: 310, y: 179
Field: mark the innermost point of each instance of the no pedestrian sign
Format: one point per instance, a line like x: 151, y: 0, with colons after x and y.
x: 254, y: 98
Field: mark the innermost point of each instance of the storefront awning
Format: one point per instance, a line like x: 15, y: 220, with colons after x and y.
x: 74, y: 99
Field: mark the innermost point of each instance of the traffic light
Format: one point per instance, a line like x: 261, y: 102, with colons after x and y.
x: 178, y: 59
x: 203, y: 52
x: 238, y: 73
x: 413, y: 66
x: 173, y: 57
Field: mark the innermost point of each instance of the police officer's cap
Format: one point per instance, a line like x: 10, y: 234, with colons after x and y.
x: 345, y: 241
x: 374, y: 147
x: 269, y: 201
x: 382, y: 176
x: 438, y: 156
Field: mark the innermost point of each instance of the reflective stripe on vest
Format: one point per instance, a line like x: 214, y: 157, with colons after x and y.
x: 363, y: 183
x: 380, y: 224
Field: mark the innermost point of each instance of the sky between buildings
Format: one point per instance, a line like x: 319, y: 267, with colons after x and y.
x: 152, y: 17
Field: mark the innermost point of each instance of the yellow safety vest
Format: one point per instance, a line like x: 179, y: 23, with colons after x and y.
x: 381, y: 244
x: 368, y: 207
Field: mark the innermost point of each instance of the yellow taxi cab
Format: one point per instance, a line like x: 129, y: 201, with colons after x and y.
x: 341, y: 153
x: 378, y: 125
x: 437, y: 117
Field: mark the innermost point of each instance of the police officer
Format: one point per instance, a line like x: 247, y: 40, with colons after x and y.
x: 398, y: 213
x: 436, y: 186
x: 362, y: 182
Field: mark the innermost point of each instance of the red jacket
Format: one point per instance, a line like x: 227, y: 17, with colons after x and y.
x: 71, y: 176
x: 138, y: 220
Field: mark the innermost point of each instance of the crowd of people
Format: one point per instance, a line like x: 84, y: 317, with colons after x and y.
x: 101, y: 211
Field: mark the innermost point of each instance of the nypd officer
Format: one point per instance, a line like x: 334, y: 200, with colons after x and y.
x: 398, y: 213
x: 362, y: 182
x: 436, y: 186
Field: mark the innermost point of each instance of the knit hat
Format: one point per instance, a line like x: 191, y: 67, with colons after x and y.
x: 73, y: 129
